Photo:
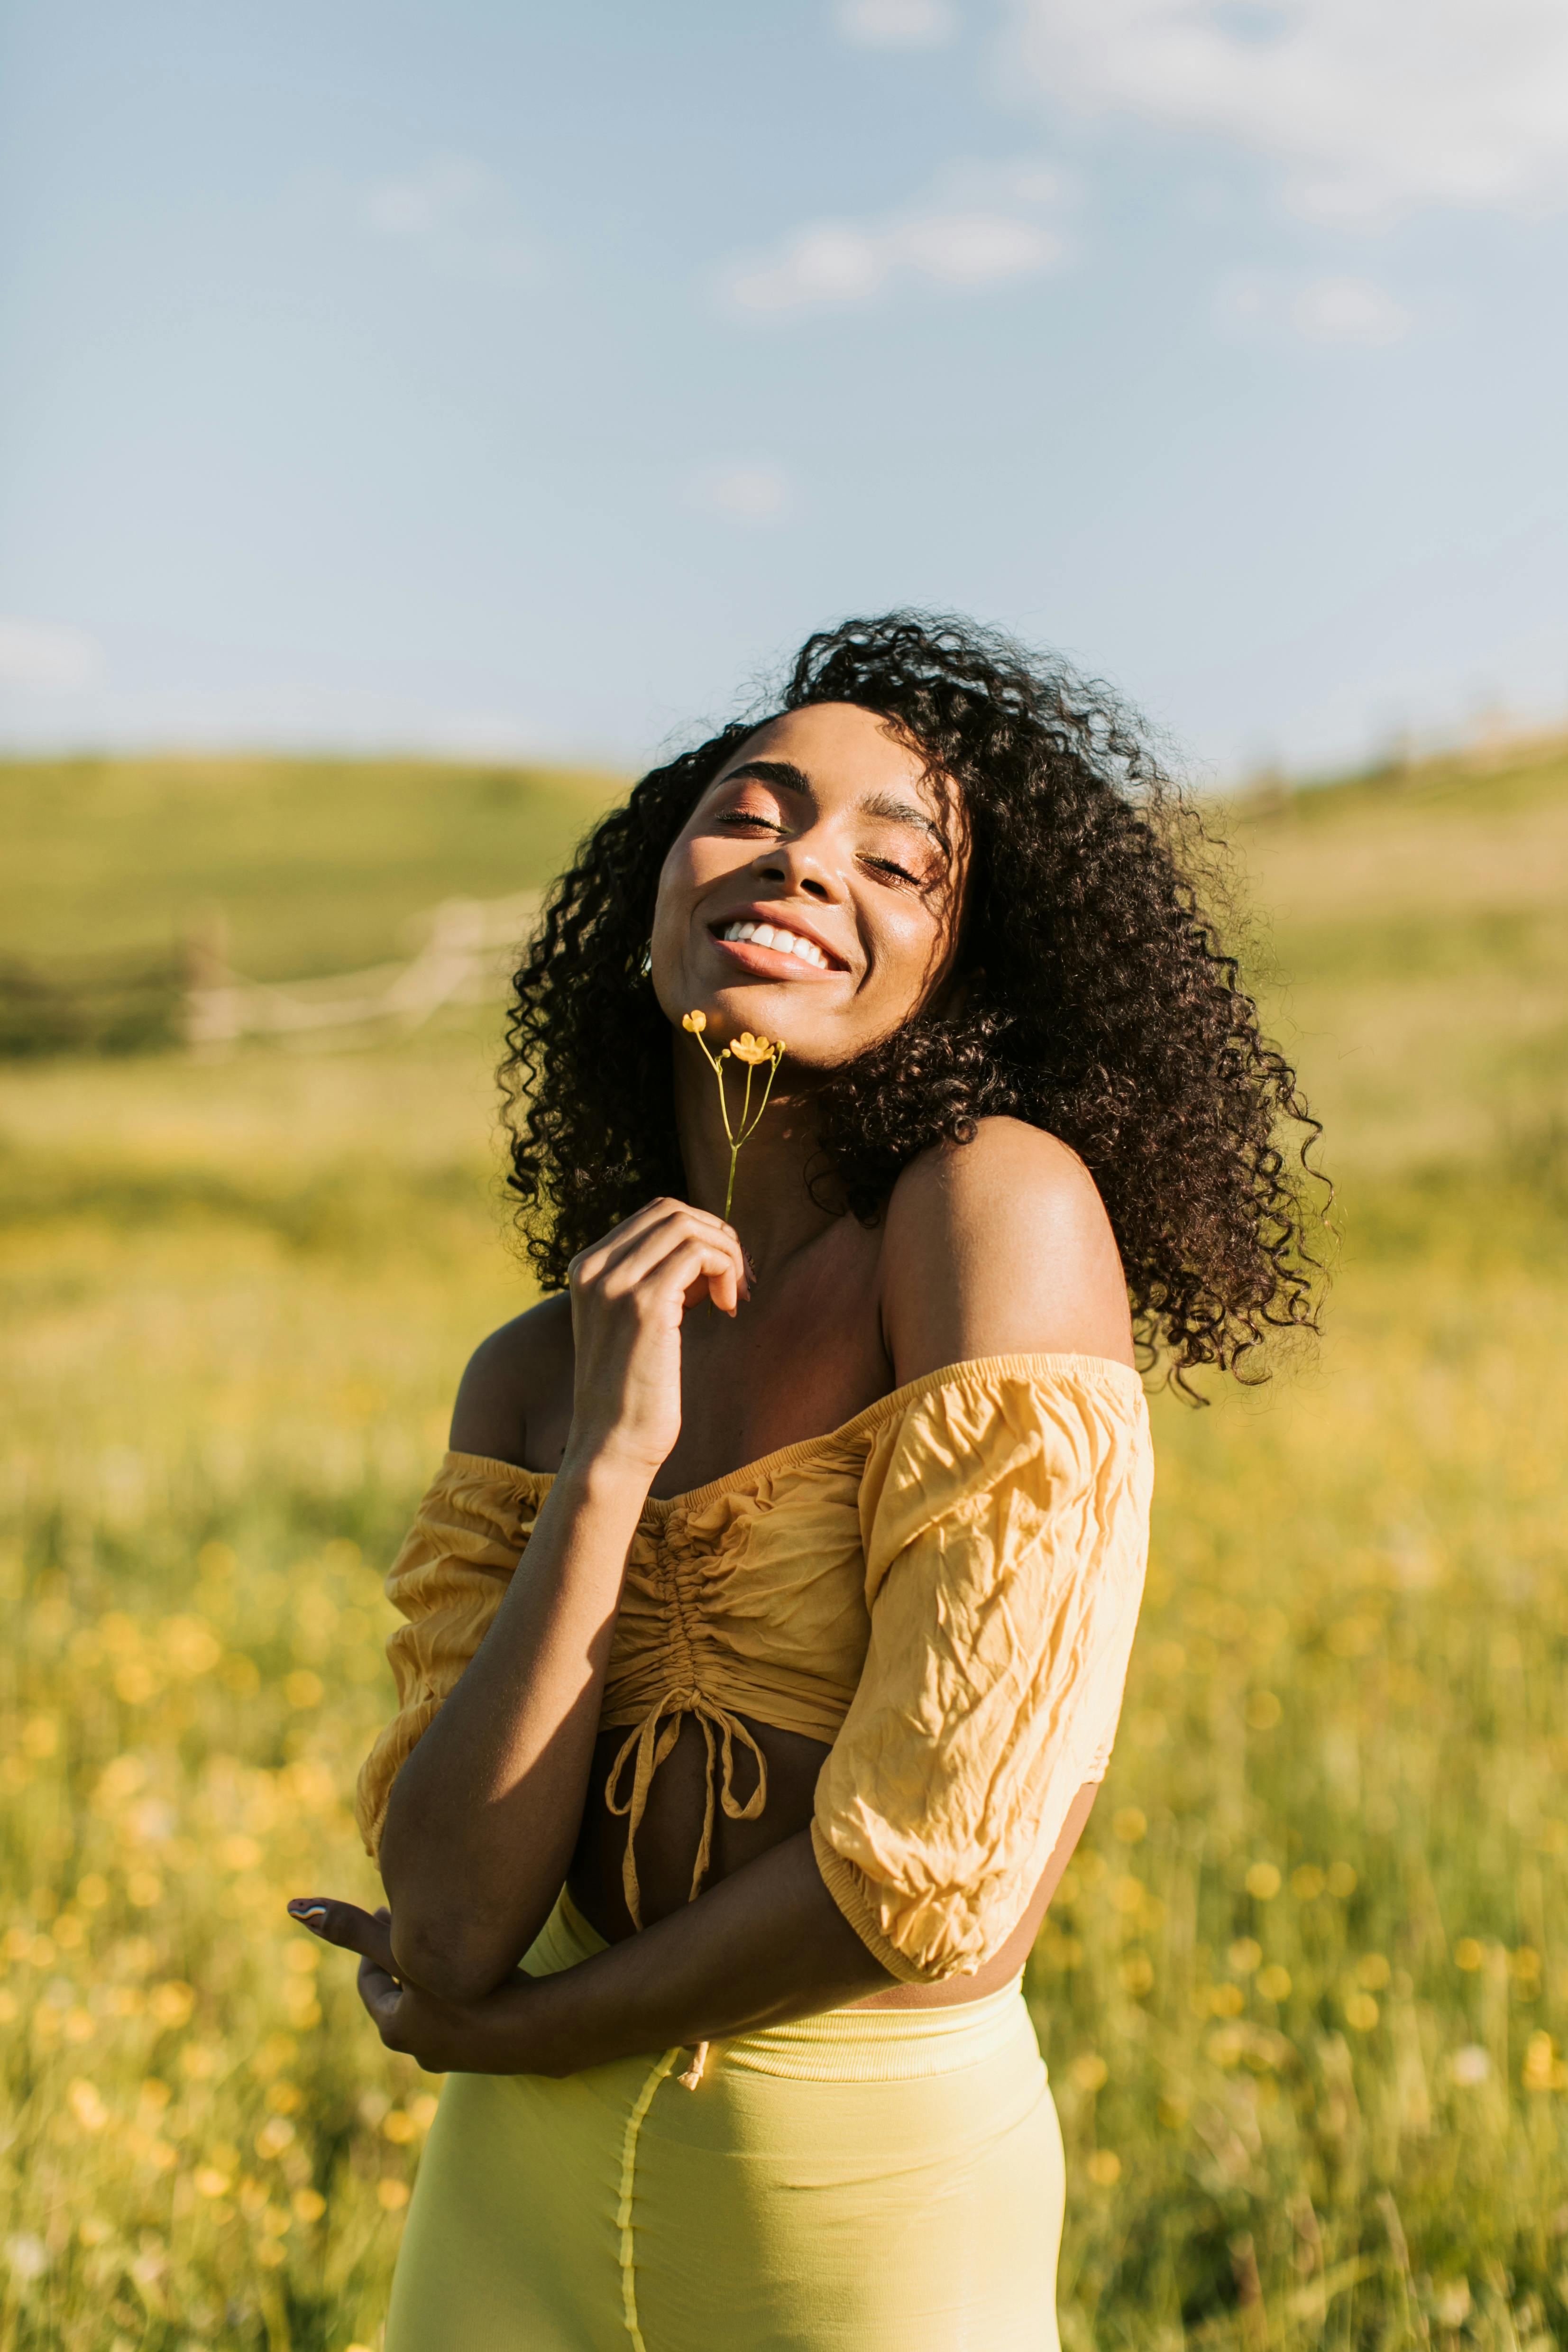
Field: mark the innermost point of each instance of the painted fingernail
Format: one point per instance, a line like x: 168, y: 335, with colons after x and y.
x: 303, y: 1910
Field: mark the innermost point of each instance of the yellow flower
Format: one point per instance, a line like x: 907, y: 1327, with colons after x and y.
x: 750, y: 1050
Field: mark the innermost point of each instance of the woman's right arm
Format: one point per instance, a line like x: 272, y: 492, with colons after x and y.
x: 484, y: 1815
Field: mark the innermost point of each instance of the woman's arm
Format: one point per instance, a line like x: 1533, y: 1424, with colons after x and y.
x: 770, y: 1942
x: 766, y: 1945
x: 484, y: 1815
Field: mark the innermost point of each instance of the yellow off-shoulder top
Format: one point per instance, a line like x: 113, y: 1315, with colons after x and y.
x: 945, y: 1590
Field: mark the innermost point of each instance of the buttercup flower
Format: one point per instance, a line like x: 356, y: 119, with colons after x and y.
x: 750, y: 1051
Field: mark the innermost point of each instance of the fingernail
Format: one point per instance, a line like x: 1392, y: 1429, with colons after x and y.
x: 303, y: 1910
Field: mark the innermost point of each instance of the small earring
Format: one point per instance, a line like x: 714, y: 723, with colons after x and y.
x: 647, y: 964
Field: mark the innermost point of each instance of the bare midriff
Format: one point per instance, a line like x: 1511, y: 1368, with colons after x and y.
x: 671, y: 1829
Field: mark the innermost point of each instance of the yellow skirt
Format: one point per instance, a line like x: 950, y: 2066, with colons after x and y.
x: 871, y: 2180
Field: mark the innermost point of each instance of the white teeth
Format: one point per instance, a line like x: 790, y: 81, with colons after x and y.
x: 765, y: 935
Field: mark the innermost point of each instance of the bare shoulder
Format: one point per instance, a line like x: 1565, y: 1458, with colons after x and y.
x: 514, y: 1382
x: 1000, y: 1246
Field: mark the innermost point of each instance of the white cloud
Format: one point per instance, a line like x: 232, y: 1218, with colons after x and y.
x: 981, y: 229
x: 457, y: 215
x: 896, y: 23
x: 1350, y: 310
x: 1372, y: 107
x: 42, y: 658
x: 751, y: 491
x: 1318, y: 310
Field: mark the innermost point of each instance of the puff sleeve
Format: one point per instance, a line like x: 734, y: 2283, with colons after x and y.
x: 447, y: 1580
x: 1005, y: 1518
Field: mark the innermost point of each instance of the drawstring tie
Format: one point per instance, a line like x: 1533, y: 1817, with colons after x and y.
x: 650, y: 1741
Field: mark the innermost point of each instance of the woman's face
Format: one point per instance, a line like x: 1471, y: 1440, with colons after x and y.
x: 823, y: 834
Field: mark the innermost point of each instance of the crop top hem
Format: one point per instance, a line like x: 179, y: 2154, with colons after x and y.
x: 971, y: 1369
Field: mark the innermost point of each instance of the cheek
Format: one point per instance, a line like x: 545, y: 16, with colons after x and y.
x: 909, y: 951
x: 692, y: 868
x: 677, y: 882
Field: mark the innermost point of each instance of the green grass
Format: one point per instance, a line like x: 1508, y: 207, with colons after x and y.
x: 317, y: 865
x: 1304, y: 1994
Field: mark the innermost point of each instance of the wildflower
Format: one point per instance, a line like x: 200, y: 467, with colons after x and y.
x: 750, y: 1051
x: 1540, y: 2064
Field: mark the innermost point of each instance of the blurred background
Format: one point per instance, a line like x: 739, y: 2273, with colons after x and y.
x: 417, y: 420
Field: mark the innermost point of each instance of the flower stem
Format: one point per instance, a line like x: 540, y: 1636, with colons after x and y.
x: 749, y: 1121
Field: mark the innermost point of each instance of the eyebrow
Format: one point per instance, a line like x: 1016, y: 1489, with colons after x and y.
x: 898, y: 812
x: 795, y: 780
x: 771, y: 772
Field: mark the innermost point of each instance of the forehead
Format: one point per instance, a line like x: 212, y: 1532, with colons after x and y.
x: 844, y: 751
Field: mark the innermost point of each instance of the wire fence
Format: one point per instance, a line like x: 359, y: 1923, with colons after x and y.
x: 194, y: 997
x: 470, y: 948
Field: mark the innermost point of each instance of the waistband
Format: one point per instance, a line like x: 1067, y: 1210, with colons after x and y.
x: 854, y: 2044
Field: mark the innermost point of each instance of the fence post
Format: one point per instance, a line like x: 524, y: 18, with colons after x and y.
x: 210, y: 1013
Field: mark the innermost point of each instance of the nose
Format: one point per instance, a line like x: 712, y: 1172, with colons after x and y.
x: 800, y: 867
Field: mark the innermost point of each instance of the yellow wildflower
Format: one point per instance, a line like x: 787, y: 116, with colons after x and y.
x: 751, y: 1051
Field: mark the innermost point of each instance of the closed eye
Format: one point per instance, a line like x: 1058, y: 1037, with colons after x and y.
x: 751, y: 817
x: 891, y: 865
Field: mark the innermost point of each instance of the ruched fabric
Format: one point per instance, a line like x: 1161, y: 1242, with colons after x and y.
x: 1005, y: 1524
x: 943, y: 1591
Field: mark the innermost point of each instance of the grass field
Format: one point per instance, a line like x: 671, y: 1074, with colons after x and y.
x: 1304, y: 1994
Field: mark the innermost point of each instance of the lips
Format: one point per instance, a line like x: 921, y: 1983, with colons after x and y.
x: 768, y: 930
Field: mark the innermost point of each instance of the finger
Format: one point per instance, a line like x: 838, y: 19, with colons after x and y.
x: 653, y: 1254
x: 345, y: 1925
x: 589, y: 1262
x: 637, y: 1254
x: 381, y: 1993
x: 697, y: 1268
x: 588, y: 1265
x: 693, y: 1265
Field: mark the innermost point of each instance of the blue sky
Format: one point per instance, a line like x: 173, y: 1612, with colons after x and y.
x: 503, y: 378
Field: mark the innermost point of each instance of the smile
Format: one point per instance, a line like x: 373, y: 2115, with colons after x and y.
x: 782, y: 942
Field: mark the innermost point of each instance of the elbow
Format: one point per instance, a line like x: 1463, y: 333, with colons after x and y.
x: 451, y: 1967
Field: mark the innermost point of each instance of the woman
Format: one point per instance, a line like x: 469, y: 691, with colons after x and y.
x: 717, y: 1832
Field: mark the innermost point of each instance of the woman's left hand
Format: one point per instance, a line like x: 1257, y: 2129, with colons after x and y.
x: 435, y: 2034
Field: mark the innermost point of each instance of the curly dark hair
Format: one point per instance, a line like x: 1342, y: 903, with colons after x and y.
x: 1100, y: 1003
